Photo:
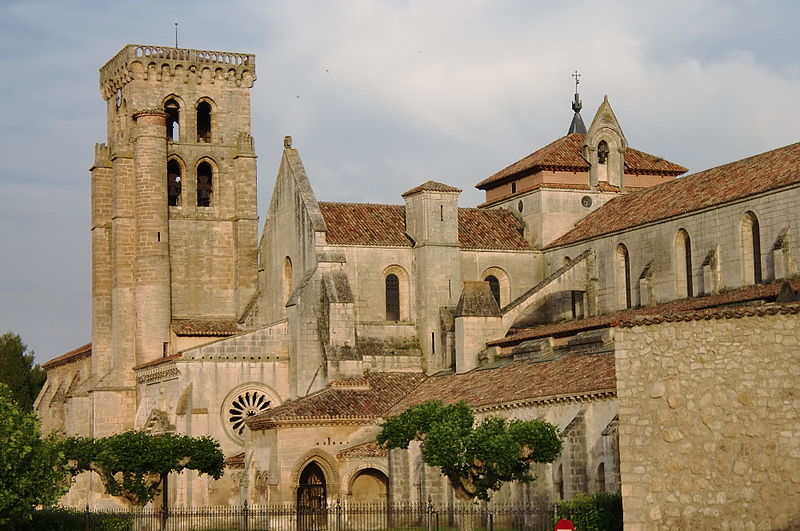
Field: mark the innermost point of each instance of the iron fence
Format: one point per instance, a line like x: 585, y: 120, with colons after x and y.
x: 336, y: 517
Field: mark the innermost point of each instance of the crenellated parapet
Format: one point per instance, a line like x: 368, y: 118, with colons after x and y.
x: 140, y: 61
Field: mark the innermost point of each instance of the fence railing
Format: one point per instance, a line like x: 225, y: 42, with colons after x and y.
x: 336, y: 517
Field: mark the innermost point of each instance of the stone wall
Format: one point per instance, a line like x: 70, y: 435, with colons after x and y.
x: 716, y: 241
x: 708, y: 430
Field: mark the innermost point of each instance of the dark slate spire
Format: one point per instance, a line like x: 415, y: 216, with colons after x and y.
x: 577, y: 125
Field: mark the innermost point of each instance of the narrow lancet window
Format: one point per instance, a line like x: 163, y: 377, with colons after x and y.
x: 624, y: 276
x: 751, y: 249
x: 173, y: 183
x: 683, y: 264
x: 203, y: 122
x: 205, y: 184
x: 173, y: 110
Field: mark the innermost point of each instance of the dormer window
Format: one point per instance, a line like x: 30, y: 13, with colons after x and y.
x: 602, y: 152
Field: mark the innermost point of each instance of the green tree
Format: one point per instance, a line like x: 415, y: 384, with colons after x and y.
x: 17, y: 370
x: 477, y: 459
x: 32, y: 470
x: 134, y: 465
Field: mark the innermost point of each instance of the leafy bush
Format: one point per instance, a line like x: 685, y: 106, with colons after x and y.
x: 64, y: 519
x: 593, y: 512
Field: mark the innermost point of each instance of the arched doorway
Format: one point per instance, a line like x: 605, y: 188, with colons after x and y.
x: 312, y: 499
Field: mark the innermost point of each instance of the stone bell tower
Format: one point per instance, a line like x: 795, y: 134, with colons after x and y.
x: 174, y: 220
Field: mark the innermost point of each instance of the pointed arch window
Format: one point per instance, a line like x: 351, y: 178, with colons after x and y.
x: 751, y: 249
x: 173, y: 183
x: 623, y: 276
x: 173, y: 110
x: 204, y: 122
x: 683, y: 264
x: 205, y: 184
x: 392, y: 297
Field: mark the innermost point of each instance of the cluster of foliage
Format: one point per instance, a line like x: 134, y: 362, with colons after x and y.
x: 17, y: 370
x: 64, y: 519
x: 31, y: 468
x: 134, y: 464
x: 476, y: 459
x: 595, y: 512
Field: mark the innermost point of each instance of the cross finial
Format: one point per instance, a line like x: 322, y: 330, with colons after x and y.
x: 577, y: 77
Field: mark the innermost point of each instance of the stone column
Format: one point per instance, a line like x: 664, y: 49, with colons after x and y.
x: 102, y: 200
x: 152, y: 265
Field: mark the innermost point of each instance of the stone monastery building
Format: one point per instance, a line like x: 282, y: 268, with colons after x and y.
x: 652, y: 317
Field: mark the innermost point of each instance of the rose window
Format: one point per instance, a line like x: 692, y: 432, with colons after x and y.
x: 246, y: 405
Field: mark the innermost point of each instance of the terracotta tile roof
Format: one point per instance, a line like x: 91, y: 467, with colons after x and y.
x: 204, y: 327
x: 736, y: 180
x: 367, y: 449
x: 715, y: 313
x: 490, y: 229
x: 367, y: 397
x: 73, y: 355
x: 235, y: 461
x: 518, y: 381
x: 566, y: 154
x: 385, y: 225
x: 365, y: 224
x: 431, y: 186
x: 567, y: 328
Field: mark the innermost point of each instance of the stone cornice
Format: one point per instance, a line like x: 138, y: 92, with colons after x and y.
x: 592, y: 396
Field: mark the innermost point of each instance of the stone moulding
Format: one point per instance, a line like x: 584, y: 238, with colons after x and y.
x: 158, y: 373
x: 606, y: 394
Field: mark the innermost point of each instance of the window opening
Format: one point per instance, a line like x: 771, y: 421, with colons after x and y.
x: 173, y: 120
x: 441, y: 212
x: 624, y: 265
x: 514, y: 187
x: 687, y: 251
x: 602, y: 152
x: 494, y: 287
x: 433, y: 342
x: 601, y: 477
x: 203, y: 122
x: 392, y: 298
x: 205, y: 183
x: 751, y: 249
x: 173, y: 183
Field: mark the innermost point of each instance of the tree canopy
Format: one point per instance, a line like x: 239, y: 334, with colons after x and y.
x: 31, y: 468
x: 18, y: 372
x: 134, y: 464
x: 475, y: 458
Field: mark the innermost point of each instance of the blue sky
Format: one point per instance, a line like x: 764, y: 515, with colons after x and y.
x: 379, y: 97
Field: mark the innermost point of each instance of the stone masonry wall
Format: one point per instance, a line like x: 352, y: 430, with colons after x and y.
x: 708, y: 429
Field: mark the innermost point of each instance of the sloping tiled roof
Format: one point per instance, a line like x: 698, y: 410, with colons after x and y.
x: 365, y: 224
x: 566, y: 154
x: 431, y: 186
x: 367, y: 449
x: 204, y: 327
x: 368, y: 396
x: 567, y: 328
x: 736, y: 312
x: 518, y: 381
x: 73, y: 355
x: 736, y: 180
x: 385, y: 225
